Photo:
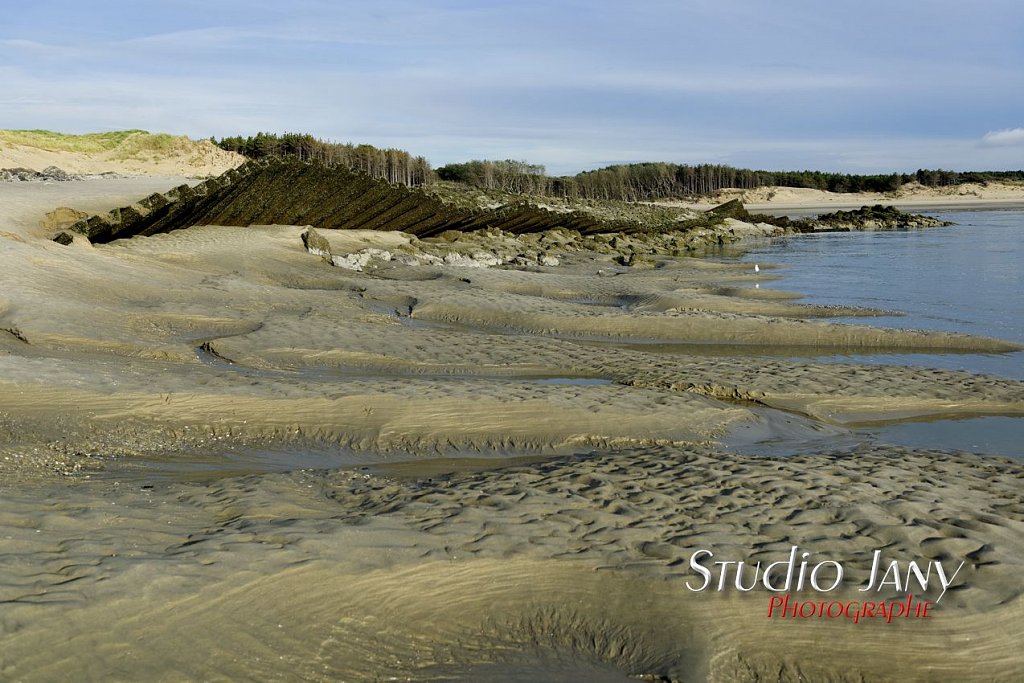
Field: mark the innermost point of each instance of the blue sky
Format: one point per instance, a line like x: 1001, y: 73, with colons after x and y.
x: 846, y: 85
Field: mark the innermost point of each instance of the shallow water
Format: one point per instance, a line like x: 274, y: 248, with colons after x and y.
x: 962, y: 278
x: 993, y: 435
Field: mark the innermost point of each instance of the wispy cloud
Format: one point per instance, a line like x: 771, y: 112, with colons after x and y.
x: 1004, y: 138
x: 735, y: 80
x: 568, y: 83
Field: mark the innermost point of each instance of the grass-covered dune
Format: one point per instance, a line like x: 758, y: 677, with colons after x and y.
x: 126, y: 142
x: 129, y: 152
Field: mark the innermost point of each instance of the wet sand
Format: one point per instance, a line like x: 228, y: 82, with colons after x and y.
x: 564, y: 570
x: 502, y: 477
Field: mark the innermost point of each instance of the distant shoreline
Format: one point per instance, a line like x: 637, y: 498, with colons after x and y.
x: 917, y: 206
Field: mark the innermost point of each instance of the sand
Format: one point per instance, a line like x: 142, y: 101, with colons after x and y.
x: 183, y: 157
x: 911, y: 197
x: 569, y: 570
x: 500, y: 477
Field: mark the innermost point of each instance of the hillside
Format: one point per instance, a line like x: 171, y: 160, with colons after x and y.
x: 127, y: 152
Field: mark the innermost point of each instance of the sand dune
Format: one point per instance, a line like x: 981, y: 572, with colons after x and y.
x: 912, y: 196
x: 132, y: 153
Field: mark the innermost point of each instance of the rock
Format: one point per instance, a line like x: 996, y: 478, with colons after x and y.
x: 486, y: 259
x: 62, y: 217
x: 417, y: 259
x: 19, y: 173
x: 54, y: 173
x: 27, y: 174
x: 69, y: 238
x: 460, y: 260
x: 316, y: 243
x: 876, y: 217
x: 361, y: 259
x: 731, y: 209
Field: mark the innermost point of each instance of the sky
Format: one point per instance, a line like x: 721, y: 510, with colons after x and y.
x: 858, y: 86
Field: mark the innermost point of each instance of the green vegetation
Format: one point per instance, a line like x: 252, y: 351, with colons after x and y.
x: 147, y: 143
x: 507, y: 175
x: 639, y: 182
x: 120, y: 145
x: 650, y: 181
x: 288, y: 191
x: 61, y: 142
x: 632, y: 216
x: 302, y: 193
x: 393, y: 165
x: 886, y: 216
x: 623, y: 182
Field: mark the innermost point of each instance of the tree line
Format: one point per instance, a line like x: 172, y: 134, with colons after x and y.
x: 393, y: 165
x: 507, y: 175
x: 624, y: 182
x: 647, y: 181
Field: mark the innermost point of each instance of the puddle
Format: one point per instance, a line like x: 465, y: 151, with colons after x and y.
x: 988, y: 435
x: 775, y: 433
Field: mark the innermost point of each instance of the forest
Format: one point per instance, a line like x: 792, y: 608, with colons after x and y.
x: 648, y: 181
x: 623, y: 182
x: 393, y: 165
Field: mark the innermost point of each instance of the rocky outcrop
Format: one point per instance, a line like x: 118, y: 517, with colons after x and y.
x: 290, y: 192
x: 27, y: 174
x: 61, y: 218
x: 876, y: 217
x: 370, y: 249
x: 296, y: 193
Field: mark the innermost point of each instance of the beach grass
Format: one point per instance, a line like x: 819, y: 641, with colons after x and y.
x: 124, y: 143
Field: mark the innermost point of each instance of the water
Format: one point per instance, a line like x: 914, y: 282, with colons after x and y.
x: 962, y: 278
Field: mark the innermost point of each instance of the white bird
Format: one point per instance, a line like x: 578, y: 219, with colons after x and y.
x: 757, y: 268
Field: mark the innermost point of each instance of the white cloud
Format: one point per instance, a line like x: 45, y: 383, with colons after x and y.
x: 1004, y: 138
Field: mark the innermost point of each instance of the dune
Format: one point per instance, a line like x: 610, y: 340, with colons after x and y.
x: 911, y: 196
x: 131, y: 153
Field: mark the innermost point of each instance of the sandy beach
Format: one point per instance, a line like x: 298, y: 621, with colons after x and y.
x: 912, y: 197
x: 221, y: 443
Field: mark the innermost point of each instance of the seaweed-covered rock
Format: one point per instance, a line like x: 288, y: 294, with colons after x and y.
x: 296, y: 193
x: 731, y: 209
x: 877, y: 217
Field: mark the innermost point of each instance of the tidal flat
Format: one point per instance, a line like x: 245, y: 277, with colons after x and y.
x: 225, y: 457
